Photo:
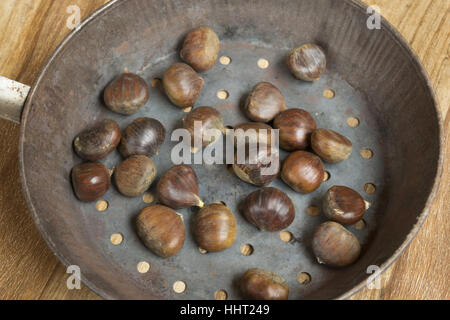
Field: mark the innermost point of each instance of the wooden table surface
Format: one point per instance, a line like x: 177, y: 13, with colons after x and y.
x: 32, y: 29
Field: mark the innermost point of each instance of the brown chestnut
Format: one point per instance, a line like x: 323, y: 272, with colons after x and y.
x: 296, y: 126
x: 307, y: 62
x: 178, y: 188
x: 98, y: 141
x: 260, y: 284
x: 201, y: 49
x: 264, y: 102
x: 330, y: 145
x: 134, y: 175
x: 259, y: 166
x: 335, y: 246
x: 268, y: 209
x: 207, y: 119
x: 126, y: 94
x: 214, y: 227
x: 90, y: 181
x: 343, y: 205
x: 161, y: 229
x: 143, y: 136
x: 182, y: 85
x: 303, y: 171
x: 256, y: 132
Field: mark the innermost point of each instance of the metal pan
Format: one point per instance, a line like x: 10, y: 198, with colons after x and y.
x: 375, y: 78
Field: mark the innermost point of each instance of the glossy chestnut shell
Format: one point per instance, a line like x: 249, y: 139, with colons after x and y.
x: 207, y: 119
x: 215, y: 227
x: 269, y: 209
x: 182, y: 85
x: 330, y: 145
x: 134, y: 175
x: 178, y: 188
x: 264, y: 102
x: 260, y: 166
x: 161, y: 229
x: 90, y: 181
x: 98, y: 141
x: 303, y: 171
x: 256, y: 132
x: 343, y: 205
x: 143, y: 136
x: 307, y: 62
x: 260, y: 284
x: 335, y: 246
x: 126, y: 94
x: 201, y: 49
x: 296, y: 127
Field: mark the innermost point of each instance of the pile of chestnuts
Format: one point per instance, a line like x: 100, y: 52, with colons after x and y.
x: 160, y: 228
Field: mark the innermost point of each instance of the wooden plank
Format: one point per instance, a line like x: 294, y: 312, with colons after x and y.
x: 32, y: 29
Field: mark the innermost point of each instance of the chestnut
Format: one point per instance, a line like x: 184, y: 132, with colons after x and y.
x: 207, y: 119
x: 307, y: 62
x: 260, y: 284
x: 161, y: 230
x: 268, y: 209
x: 178, y: 188
x: 343, y: 205
x: 126, y: 94
x: 182, y: 85
x: 143, y: 136
x: 330, y: 145
x: 214, y: 227
x: 134, y: 175
x: 264, y: 102
x: 335, y: 246
x: 256, y: 132
x: 98, y: 141
x: 303, y: 171
x: 201, y: 49
x: 260, y: 165
x: 296, y: 126
x: 90, y: 181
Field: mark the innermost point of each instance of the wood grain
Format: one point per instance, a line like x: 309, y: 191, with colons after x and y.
x: 32, y: 29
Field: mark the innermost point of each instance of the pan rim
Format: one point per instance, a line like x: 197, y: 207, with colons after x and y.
x: 392, y: 32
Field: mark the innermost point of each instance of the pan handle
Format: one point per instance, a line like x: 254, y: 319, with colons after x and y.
x: 13, y: 95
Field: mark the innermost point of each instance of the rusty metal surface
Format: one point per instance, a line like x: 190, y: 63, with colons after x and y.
x: 373, y: 73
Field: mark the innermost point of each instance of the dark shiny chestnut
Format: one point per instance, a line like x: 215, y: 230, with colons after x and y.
x: 207, y: 120
x: 330, y: 145
x: 260, y: 284
x: 269, y: 209
x: 343, y: 205
x: 126, y: 94
x: 303, y: 171
x: 257, y: 164
x: 178, y: 188
x: 264, y: 102
x: 215, y: 227
x: 182, y: 85
x: 201, y: 49
x: 307, y: 62
x: 98, y: 141
x: 256, y: 132
x: 296, y: 126
x: 134, y: 175
x: 90, y: 181
x: 161, y: 229
x: 335, y: 246
x: 143, y: 136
